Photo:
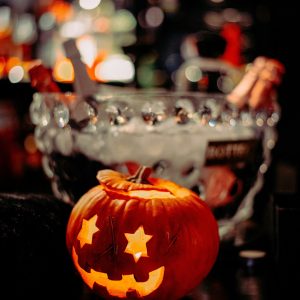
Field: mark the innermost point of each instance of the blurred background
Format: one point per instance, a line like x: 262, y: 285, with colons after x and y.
x: 140, y: 44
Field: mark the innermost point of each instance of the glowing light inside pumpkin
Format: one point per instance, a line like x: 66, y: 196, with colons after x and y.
x: 151, y: 194
x: 137, y: 243
x: 119, y: 288
x: 87, y: 231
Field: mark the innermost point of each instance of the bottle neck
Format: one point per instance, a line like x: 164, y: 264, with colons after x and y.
x: 83, y: 85
x: 264, y: 93
x: 257, y: 89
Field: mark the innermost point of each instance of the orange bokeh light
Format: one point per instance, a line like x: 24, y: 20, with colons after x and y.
x: 62, y: 10
x: 63, y: 71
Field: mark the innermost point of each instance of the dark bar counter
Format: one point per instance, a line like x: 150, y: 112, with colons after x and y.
x: 36, y: 265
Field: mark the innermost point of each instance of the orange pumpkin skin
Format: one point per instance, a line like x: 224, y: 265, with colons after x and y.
x: 138, y: 230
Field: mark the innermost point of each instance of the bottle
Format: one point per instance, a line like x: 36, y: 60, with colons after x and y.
x: 41, y: 80
x: 83, y: 85
x: 257, y: 88
x: 240, y: 94
x: 263, y: 93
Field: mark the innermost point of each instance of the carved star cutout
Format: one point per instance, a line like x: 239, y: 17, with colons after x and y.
x: 137, y: 243
x: 87, y: 231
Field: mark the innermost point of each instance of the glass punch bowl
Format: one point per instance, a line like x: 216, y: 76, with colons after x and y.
x: 195, y: 139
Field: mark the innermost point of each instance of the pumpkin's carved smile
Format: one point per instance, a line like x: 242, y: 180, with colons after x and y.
x: 119, y: 288
x: 136, y: 247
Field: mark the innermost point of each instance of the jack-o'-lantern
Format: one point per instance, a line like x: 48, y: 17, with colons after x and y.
x: 141, y: 237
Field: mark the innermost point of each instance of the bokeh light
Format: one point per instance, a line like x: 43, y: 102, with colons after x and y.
x: 217, y: 1
x: 25, y: 30
x: 214, y: 19
x: 102, y: 24
x: 123, y: 21
x: 12, y: 62
x: 225, y: 84
x: 61, y: 10
x: 73, y: 29
x: 154, y: 16
x: 193, y: 73
x: 125, y: 39
x: 231, y: 15
x: 46, y: 21
x: 88, y: 49
x: 5, y: 16
x: 170, y: 6
x: 117, y: 67
x: 63, y: 70
x: 16, y: 74
x: 89, y: 4
x: 29, y: 144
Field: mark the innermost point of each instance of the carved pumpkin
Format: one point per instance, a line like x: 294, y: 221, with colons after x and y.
x: 139, y: 237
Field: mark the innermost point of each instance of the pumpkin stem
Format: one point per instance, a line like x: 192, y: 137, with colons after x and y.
x: 141, y: 175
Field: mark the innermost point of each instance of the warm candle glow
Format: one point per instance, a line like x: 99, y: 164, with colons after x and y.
x: 137, y: 243
x: 87, y: 231
x: 120, y: 288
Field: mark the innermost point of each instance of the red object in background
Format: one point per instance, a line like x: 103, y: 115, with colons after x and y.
x: 15, y: 159
x: 231, y: 32
x: 60, y: 9
x: 27, y: 52
x: 2, y: 66
x: 221, y: 186
x: 41, y: 79
x: 11, y: 154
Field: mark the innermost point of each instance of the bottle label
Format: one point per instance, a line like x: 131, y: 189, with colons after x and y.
x: 227, y: 152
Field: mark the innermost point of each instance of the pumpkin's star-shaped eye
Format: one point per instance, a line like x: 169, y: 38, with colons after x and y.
x: 137, y: 243
x: 88, y: 228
